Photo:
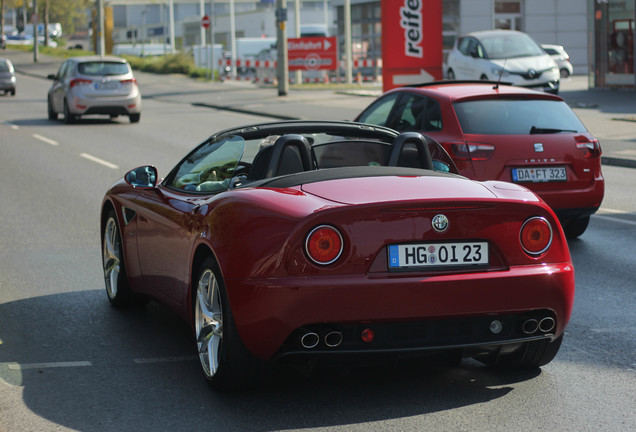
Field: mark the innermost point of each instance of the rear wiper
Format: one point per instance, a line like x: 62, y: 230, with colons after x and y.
x: 535, y: 130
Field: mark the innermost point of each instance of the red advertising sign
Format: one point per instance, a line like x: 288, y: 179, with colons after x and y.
x: 411, y: 42
x: 312, y: 53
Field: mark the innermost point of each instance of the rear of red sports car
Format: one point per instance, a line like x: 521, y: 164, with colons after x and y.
x: 357, y: 265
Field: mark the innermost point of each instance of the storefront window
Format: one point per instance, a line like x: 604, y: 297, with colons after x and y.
x: 614, y: 43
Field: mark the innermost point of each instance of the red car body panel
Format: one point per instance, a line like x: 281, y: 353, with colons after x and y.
x: 257, y: 235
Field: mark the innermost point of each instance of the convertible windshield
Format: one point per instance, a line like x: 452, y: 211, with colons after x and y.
x: 211, y: 166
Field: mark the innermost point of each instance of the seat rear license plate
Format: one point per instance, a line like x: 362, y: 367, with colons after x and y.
x: 539, y: 174
x: 437, y: 255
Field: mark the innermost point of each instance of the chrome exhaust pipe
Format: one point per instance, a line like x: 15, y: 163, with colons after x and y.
x: 333, y: 339
x: 546, y: 324
x: 530, y: 326
x: 309, y: 340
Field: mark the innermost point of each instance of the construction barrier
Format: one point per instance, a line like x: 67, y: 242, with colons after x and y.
x: 264, y: 71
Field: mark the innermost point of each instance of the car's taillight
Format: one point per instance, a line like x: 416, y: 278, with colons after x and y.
x: 536, y: 235
x: 589, y: 149
x: 475, y: 152
x: 324, y: 244
x: 80, y: 81
x: 129, y: 81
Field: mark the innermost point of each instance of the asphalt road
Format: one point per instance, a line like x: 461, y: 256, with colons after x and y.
x: 68, y: 361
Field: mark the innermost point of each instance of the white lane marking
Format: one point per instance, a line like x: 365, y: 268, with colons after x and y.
x: 98, y: 160
x: 14, y: 127
x: 45, y: 139
x: 613, y: 219
x: 18, y: 366
x: 163, y: 359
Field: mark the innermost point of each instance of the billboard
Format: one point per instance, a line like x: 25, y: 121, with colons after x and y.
x: 411, y: 42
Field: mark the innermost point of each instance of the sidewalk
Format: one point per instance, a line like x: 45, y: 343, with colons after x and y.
x: 610, y: 115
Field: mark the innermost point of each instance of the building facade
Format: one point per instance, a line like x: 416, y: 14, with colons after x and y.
x: 597, y: 34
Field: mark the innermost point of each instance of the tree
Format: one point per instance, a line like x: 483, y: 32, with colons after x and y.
x: 70, y: 13
x: 9, y: 4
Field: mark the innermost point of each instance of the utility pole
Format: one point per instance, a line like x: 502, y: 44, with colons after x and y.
x: 100, y: 48
x: 299, y: 73
x: 282, y: 73
x: 34, y: 21
x: 347, y: 29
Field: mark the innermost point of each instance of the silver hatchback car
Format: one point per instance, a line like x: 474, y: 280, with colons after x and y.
x: 7, y: 76
x: 94, y: 85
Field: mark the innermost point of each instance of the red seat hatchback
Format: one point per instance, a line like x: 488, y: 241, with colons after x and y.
x: 500, y: 132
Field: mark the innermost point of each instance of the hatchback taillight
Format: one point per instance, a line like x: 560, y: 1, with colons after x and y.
x: 129, y: 81
x: 80, y: 81
x: 475, y: 152
x: 589, y: 149
x: 324, y: 244
x: 536, y: 235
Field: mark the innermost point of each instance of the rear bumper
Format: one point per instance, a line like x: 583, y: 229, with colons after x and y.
x: 270, y: 313
x: 575, y: 203
x: 118, y: 106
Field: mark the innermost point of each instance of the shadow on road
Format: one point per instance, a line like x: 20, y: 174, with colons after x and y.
x: 137, y: 370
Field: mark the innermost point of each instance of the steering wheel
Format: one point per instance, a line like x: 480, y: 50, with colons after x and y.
x: 208, y: 174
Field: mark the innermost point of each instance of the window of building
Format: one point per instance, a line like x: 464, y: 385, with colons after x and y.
x: 508, y: 15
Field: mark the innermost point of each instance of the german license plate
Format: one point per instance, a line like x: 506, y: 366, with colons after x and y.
x: 429, y: 255
x: 539, y: 174
x: 106, y: 85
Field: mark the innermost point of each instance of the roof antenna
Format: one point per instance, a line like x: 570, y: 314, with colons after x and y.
x: 496, y: 86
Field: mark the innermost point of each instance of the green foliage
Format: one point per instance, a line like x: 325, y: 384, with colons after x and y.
x: 180, y: 63
x: 70, y: 13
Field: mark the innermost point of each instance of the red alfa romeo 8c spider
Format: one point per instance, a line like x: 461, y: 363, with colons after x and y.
x: 338, y: 240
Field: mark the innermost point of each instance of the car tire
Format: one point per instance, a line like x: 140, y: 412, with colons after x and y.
x: 565, y: 73
x: 52, y: 114
x: 225, y: 361
x: 450, y: 74
x: 576, y: 227
x: 531, y: 355
x: 134, y: 118
x: 117, y: 288
x: 68, y: 117
x: 12, y: 92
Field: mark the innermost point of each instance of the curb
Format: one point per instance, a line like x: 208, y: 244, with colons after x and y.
x: 619, y: 162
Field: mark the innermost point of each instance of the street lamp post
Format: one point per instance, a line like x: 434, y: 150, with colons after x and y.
x: 282, y: 73
x: 34, y: 20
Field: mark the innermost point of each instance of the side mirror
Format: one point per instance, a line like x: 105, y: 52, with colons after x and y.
x: 144, y: 177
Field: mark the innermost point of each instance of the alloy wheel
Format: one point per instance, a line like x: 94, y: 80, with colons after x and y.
x: 111, y: 254
x: 209, y: 322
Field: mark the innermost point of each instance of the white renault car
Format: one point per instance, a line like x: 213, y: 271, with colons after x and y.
x: 503, y: 55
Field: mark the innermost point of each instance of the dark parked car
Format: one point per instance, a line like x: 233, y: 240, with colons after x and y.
x: 500, y: 132
x: 312, y: 240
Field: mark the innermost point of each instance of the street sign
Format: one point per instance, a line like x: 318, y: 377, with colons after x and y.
x: 205, y: 21
x: 312, y: 53
x: 411, y: 42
